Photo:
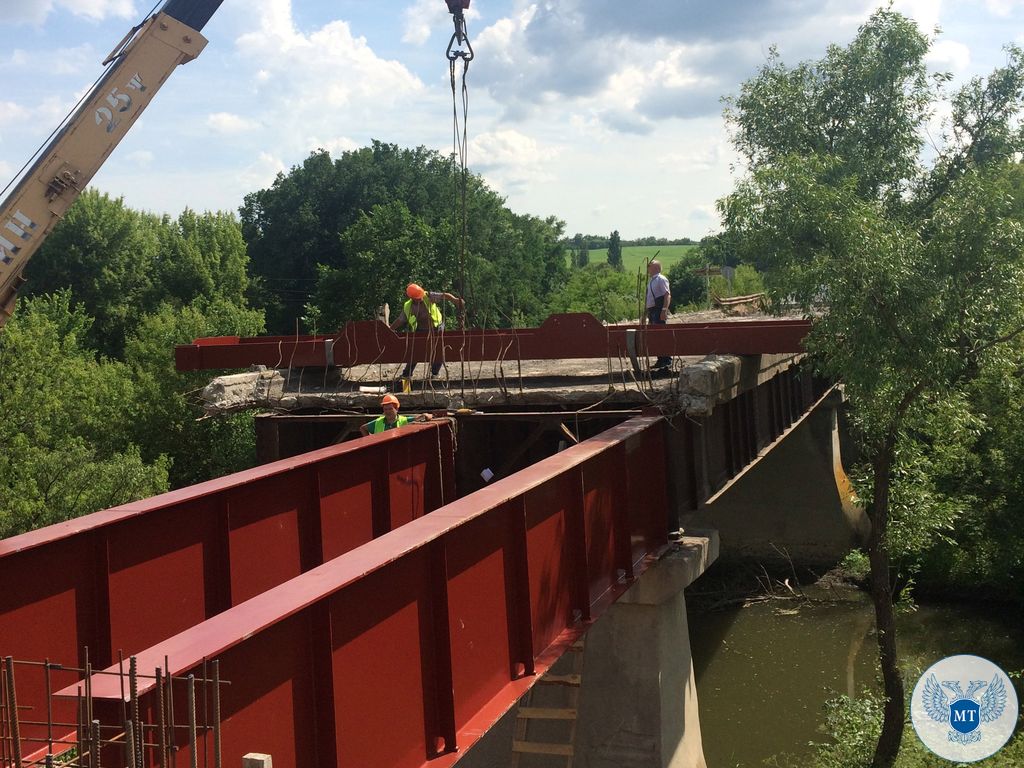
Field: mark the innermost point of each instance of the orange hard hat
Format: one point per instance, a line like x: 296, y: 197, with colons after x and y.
x: 413, y: 291
x: 390, y: 400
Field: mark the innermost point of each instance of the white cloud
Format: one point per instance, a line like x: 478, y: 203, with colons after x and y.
x: 100, y: 9
x: 714, y: 154
x: 1003, y: 8
x: 949, y: 55
x: 335, y: 146
x: 228, y: 124
x: 420, y: 19
x: 511, y: 159
x: 927, y: 13
x: 319, y: 82
x: 142, y: 158
x: 36, y: 11
x: 261, y: 173
x: 11, y: 113
x: 424, y: 17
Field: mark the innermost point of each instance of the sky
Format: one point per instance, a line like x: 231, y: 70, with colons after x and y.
x: 607, y: 115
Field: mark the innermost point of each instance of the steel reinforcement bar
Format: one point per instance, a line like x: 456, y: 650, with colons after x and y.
x: 561, y: 337
x: 125, y: 578
x: 404, y: 651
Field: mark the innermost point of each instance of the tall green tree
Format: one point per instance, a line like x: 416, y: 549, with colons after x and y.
x: 615, y: 250
x: 297, y: 233
x: 601, y: 290
x: 912, y: 271
x: 167, y: 422
x: 688, y: 287
x: 200, y: 255
x: 104, y: 253
x: 66, y: 422
x: 388, y: 247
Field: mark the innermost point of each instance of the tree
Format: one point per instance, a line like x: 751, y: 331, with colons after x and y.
x: 913, y: 272
x: 606, y: 293
x: 297, y: 233
x: 388, y: 247
x: 615, y: 250
x: 688, y: 288
x: 165, y: 422
x: 66, y: 422
x: 105, y: 253
x: 200, y: 255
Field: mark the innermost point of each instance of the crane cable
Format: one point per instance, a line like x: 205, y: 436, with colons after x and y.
x: 455, y: 53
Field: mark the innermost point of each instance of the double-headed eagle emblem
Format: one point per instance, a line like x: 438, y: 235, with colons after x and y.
x: 964, y: 712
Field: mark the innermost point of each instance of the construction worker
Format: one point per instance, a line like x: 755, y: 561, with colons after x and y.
x: 659, y: 297
x: 422, y: 313
x: 390, y: 419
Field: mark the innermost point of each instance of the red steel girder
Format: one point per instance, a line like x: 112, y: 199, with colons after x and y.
x: 130, y: 576
x: 404, y: 651
x: 560, y: 337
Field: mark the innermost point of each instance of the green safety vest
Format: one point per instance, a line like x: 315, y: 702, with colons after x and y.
x: 379, y: 425
x: 432, y: 308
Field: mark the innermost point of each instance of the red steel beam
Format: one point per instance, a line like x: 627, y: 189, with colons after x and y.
x: 404, y: 651
x: 128, y: 577
x: 561, y: 337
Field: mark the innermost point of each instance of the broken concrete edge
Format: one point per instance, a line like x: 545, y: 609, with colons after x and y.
x: 719, y: 378
x: 689, y: 554
x: 700, y: 387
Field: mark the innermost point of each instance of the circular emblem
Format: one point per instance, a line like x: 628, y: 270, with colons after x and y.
x: 964, y: 708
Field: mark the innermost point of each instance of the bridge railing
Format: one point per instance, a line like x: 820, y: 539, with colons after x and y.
x: 127, y: 577
x: 407, y: 648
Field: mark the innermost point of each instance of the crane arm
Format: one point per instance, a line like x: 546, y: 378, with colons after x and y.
x: 139, y: 65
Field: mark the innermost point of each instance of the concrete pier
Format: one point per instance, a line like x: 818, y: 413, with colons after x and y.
x: 638, y: 699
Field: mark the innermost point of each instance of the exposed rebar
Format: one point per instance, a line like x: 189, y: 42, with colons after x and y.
x: 129, y: 744
x: 191, y: 693
x: 133, y: 692
x: 49, y: 709
x: 216, y: 714
x: 94, y: 750
x: 170, y: 704
x: 162, y: 708
x: 12, y: 712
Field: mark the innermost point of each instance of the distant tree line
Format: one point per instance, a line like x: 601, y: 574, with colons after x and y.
x: 602, y: 242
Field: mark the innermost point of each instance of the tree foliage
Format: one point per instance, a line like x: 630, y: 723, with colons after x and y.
x: 167, y: 424
x: 304, y: 256
x: 688, y: 288
x: 66, y: 422
x: 605, y: 292
x: 912, y: 271
x: 615, y: 250
x: 120, y: 264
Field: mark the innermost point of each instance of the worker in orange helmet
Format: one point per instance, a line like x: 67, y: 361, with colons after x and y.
x: 390, y: 419
x: 422, y: 313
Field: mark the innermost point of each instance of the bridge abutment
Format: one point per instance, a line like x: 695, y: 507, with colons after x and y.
x: 794, y: 501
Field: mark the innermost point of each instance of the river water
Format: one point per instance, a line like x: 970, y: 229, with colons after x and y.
x: 765, y: 671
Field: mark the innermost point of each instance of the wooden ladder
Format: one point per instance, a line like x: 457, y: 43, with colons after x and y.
x: 528, y: 711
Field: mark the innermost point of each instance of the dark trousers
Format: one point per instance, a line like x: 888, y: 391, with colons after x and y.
x: 435, y: 368
x: 654, y: 318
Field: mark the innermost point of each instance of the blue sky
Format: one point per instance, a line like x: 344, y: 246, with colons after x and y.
x: 604, y: 114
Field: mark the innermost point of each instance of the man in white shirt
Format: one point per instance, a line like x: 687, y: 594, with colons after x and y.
x: 659, y: 297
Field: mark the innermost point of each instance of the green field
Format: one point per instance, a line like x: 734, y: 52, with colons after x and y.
x: 635, y: 257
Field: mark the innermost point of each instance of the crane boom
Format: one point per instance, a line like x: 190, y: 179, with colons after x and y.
x: 139, y: 65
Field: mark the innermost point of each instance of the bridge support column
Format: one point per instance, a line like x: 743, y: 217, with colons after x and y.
x: 638, y: 704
